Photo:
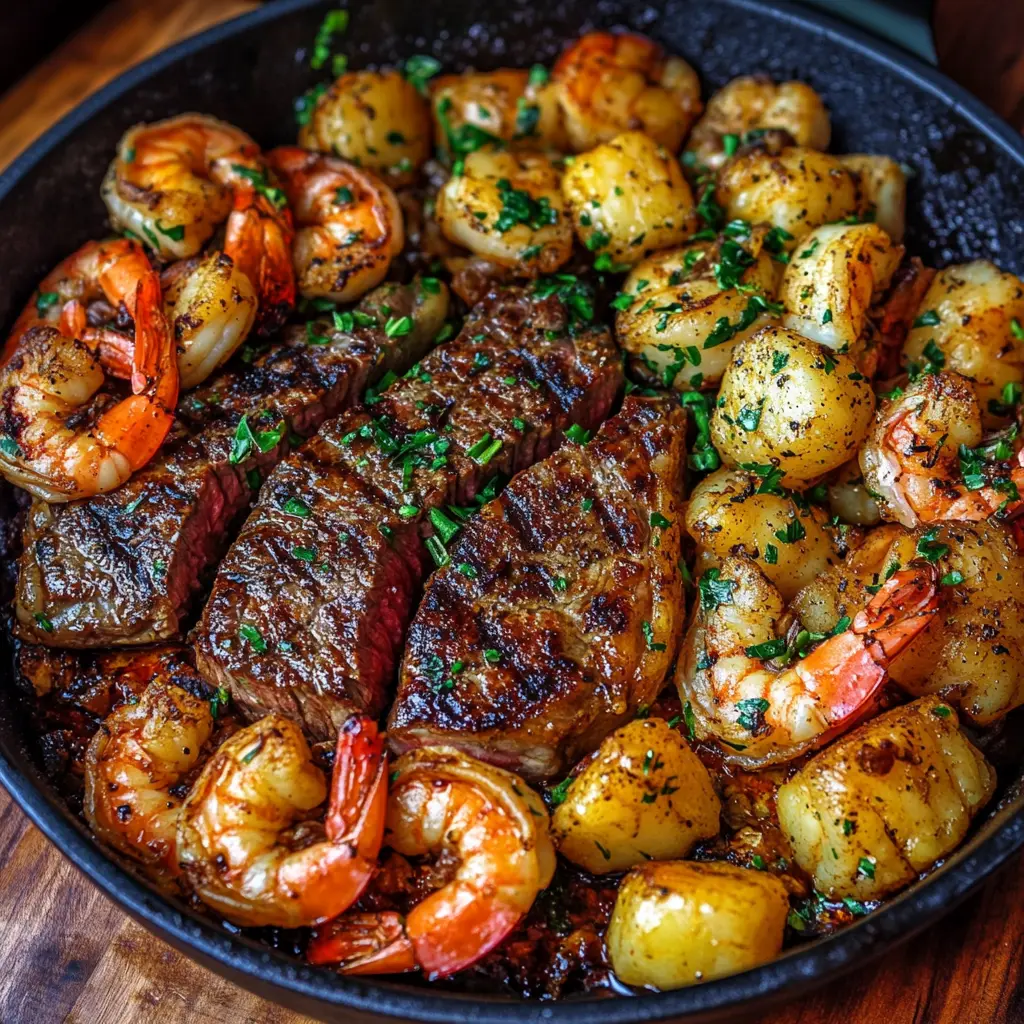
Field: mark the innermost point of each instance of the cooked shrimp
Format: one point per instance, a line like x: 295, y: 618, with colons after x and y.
x: 448, y: 804
x: 616, y: 82
x: 925, y: 461
x: 174, y: 182
x: 249, y: 843
x: 765, y: 715
x: 139, y: 755
x: 211, y: 306
x: 54, y: 440
x: 350, y: 223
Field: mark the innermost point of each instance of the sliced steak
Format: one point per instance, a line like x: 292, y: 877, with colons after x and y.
x: 562, y: 607
x: 124, y: 567
x: 310, y: 606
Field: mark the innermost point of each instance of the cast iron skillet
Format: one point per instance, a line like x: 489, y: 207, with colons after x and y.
x: 966, y: 200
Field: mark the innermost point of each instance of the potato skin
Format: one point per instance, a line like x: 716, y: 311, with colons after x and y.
x: 815, y: 410
x: 835, y: 274
x: 975, y: 304
x: 882, y: 186
x: 665, y: 322
x: 755, y: 101
x: 867, y: 815
x: 377, y: 120
x: 727, y: 516
x: 471, y: 204
x: 798, y: 189
x: 630, y: 191
x: 677, y: 923
x: 644, y: 795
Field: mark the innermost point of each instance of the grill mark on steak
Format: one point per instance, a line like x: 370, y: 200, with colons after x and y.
x: 330, y: 591
x: 123, y: 568
x: 548, y: 624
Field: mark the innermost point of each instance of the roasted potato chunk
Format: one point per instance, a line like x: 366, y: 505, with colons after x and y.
x: 677, y: 302
x: 644, y: 796
x: 628, y: 198
x: 516, y: 107
x: 882, y: 187
x: 835, y: 275
x: 788, y: 402
x: 507, y: 207
x: 755, y: 103
x: 796, y: 190
x: 679, y: 923
x: 376, y: 119
x: 727, y: 516
x: 866, y: 816
x: 968, y: 316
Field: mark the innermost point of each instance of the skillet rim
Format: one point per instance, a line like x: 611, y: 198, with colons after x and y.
x: 259, y: 969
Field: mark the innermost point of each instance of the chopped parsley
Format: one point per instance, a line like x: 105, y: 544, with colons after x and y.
x: 334, y: 23
x: 930, y: 318
x: 519, y: 207
x: 929, y: 548
x: 714, y: 591
x: 419, y: 69
x: 255, y: 638
x: 245, y: 439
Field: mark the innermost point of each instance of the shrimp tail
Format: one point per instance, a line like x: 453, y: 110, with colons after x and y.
x: 364, y: 944
x: 900, y: 610
x: 259, y: 239
x: 849, y: 669
x: 359, y: 791
x: 464, y: 929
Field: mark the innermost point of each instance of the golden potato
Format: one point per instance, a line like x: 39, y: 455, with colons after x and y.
x: 507, y: 207
x: 788, y: 402
x: 968, y: 316
x: 797, y: 190
x: 628, y: 198
x: 678, y: 923
x: 752, y: 103
x: 835, y: 275
x: 644, y: 796
x: 517, y: 107
x: 726, y: 516
x: 882, y: 185
x: 870, y: 813
x: 376, y: 119
x: 677, y: 302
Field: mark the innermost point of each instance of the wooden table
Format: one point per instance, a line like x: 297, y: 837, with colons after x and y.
x: 68, y: 954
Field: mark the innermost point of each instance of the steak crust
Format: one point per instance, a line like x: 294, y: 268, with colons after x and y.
x: 124, y: 568
x: 562, y: 608
x: 310, y: 606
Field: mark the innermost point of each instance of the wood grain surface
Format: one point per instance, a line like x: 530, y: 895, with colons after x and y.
x: 68, y: 954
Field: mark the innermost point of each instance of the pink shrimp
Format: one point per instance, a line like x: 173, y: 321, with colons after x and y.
x: 249, y: 842
x: 763, y: 715
x: 55, y: 440
x: 445, y: 803
x: 174, y: 182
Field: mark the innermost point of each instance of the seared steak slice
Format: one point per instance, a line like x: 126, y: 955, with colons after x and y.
x: 123, y: 568
x: 310, y: 605
x: 561, y: 609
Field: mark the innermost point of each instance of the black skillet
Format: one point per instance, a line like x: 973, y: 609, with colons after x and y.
x: 966, y: 201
